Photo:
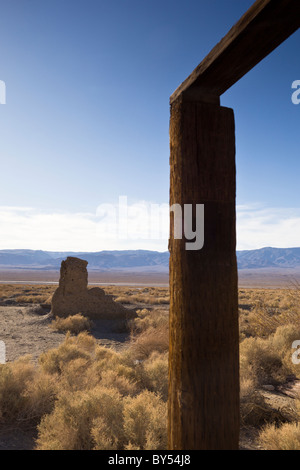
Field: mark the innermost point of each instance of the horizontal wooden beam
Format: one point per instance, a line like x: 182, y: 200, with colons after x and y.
x: 261, y: 29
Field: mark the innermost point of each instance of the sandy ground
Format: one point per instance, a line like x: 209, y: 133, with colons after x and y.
x: 26, y: 330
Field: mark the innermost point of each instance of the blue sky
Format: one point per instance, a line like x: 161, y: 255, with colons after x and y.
x: 87, y: 115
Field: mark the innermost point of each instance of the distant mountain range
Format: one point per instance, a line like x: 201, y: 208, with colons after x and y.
x: 137, y: 260
x: 269, y: 258
x: 141, y: 260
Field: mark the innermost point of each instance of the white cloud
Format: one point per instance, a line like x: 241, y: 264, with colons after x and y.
x: 146, y: 227
x: 259, y: 226
x: 28, y: 228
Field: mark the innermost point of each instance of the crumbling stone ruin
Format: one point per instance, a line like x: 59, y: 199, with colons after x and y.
x: 73, y: 296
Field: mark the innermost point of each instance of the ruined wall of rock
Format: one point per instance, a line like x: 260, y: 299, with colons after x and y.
x: 73, y: 296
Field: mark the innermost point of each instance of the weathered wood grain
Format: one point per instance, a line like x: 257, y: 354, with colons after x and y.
x: 203, y: 357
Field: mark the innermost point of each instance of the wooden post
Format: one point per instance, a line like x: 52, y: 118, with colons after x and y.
x: 204, y: 338
x: 203, y: 364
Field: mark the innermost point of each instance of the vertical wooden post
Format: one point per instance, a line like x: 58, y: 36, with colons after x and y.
x: 204, y: 339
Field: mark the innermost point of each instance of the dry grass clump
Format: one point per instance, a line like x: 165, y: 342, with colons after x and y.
x: 146, y: 296
x: 25, y: 393
x: 103, y: 399
x: 283, y: 437
x: 123, y: 300
x: 80, y: 418
x: 73, y: 323
x: 269, y: 360
x: 260, y: 362
x: 264, y: 321
x: 85, y: 396
x: 26, y: 293
x: 82, y: 346
x: 282, y: 342
x: 149, y: 319
x: 152, y: 339
x: 150, y: 299
x: 145, y: 418
x: 262, y: 311
x: 125, y: 386
x: 31, y: 299
x: 152, y: 374
x: 149, y: 333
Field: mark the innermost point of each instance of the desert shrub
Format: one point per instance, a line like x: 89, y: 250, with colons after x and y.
x: 121, y: 363
x: 152, y: 339
x: 54, y: 360
x: 73, y: 423
x: 145, y: 421
x: 125, y: 386
x: 26, y: 293
x: 102, y: 436
x: 14, y: 379
x: 149, y: 319
x: 163, y: 300
x: 269, y: 360
x: 269, y: 309
x: 247, y: 387
x: 81, y: 346
x: 103, y: 354
x: 40, y: 395
x: 282, y: 342
x: 264, y: 321
x: 102, y: 419
x: 285, y: 437
x: 78, y: 374
x: 123, y: 300
x: 26, y: 394
x: 284, y: 337
x: 254, y: 410
x: 153, y: 374
x: 31, y: 299
x: 73, y: 323
x: 260, y: 362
